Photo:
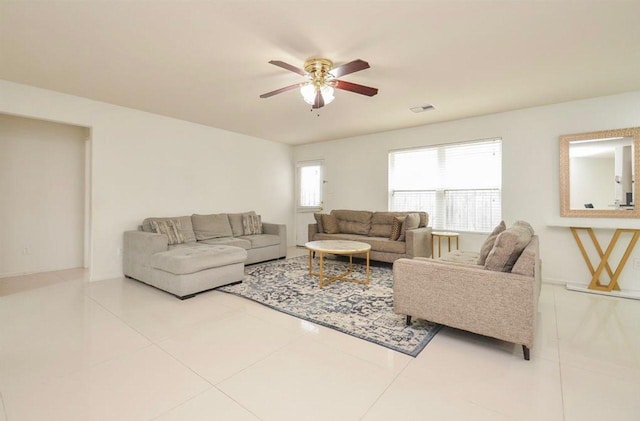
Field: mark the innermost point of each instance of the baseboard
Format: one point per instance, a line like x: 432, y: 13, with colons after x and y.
x: 634, y: 295
x: 553, y: 281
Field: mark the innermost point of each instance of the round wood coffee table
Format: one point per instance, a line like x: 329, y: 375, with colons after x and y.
x: 340, y: 247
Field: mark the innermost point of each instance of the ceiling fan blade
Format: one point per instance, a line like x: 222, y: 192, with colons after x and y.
x: 354, y: 87
x: 288, y: 66
x: 281, y: 90
x: 348, y: 68
x: 319, y: 102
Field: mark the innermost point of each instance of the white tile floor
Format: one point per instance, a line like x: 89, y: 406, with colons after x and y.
x: 120, y: 350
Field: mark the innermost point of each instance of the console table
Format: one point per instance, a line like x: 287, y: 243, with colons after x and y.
x: 595, y: 283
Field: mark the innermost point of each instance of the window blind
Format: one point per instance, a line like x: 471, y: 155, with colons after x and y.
x: 459, y: 185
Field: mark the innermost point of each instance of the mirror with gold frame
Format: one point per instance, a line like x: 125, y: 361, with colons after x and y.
x: 599, y: 173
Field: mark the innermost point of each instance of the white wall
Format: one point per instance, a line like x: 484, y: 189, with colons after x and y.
x: 356, y: 170
x: 148, y: 165
x: 42, y: 191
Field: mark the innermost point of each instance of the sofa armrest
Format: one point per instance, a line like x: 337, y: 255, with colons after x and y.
x: 138, y: 247
x: 312, y: 231
x: 281, y: 231
x: 497, y: 304
x: 419, y: 242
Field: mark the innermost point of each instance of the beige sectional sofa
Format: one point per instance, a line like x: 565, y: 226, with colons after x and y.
x: 200, y: 252
x: 374, y: 228
x: 498, y: 298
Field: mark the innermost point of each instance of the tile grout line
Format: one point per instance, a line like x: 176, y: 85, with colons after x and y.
x: 153, y: 343
x: 555, y: 310
x: 4, y: 407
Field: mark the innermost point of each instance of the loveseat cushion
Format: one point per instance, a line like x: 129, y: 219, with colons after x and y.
x: 261, y: 240
x: 381, y: 222
x: 489, y: 242
x: 228, y: 241
x: 186, y: 228
x: 185, y: 260
x: 211, y: 226
x: 235, y: 219
x: 526, y: 263
x: 508, y: 247
x: 353, y: 221
x: 411, y: 221
x: 379, y: 244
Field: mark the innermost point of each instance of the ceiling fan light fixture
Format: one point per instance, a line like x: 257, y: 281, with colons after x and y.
x: 309, y: 90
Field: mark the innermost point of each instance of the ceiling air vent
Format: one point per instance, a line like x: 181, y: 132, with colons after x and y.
x: 422, y: 108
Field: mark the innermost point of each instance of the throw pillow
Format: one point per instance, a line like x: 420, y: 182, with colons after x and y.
x: 318, y: 217
x: 489, y: 242
x: 251, y: 224
x: 411, y: 222
x: 396, y: 227
x: 235, y: 219
x: 170, y: 228
x: 330, y: 224
x: 508, y: 248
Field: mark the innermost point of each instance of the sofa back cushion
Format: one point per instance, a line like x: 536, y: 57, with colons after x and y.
x: 353, y: 221
x: 508, y: 247
x: 382, y: 222
x: 235, y: 219
x: 211, y: 226
x: 186, y: 228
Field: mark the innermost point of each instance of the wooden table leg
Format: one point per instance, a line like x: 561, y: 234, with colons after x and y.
x: 595, y: 283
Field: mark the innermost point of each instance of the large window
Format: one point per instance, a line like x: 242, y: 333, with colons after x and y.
x: 459, y: 185
x: 309, y: 180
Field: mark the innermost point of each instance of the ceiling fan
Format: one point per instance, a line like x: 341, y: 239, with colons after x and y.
x: 322, y: 78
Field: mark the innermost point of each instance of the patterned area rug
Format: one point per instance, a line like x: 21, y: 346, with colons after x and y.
x: 363, y: 311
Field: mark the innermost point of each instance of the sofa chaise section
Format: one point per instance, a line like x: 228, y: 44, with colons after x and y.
x: 195, y: 253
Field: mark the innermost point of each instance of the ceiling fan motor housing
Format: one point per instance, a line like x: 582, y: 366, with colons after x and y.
x: 318, y: 69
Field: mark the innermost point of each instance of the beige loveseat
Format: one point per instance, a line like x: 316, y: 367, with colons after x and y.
x: 374, y: 228
x: 201, y: 252
x: 490, y: 299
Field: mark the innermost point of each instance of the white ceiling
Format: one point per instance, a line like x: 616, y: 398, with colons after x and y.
x: 206, y: 61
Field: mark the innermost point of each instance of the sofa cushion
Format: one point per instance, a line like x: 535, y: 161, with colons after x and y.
x: 262, y: 240
x: 411, y: 221
x: 318, y: 217
x: 185, y: 260
x: 185, y: 226
x: 380, y: 244
x: 382, y: 222
x: 235, y: 219
x: 396, y: 227
x: 228, y: 241
x: 211, y: 226
x: 170, y: 228
x: 489, y: 242
x: 526, y: 263
x: 508, y: 246
x: 330, y: 224
x: 352, y: 221
x: 251, y: 224
x: 461, y: 256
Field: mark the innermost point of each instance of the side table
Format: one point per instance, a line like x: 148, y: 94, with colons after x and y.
x: 440, y: 235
